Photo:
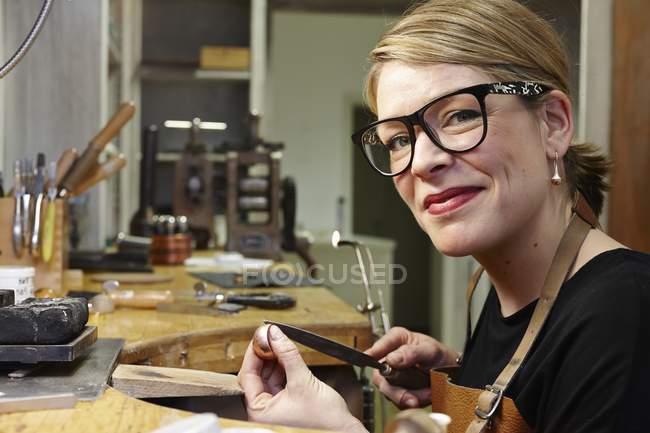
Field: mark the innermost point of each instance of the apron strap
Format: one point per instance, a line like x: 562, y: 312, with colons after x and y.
x: 490, y: 399
x: 471, y: 287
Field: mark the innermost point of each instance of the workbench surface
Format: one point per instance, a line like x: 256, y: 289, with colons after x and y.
x: 217, y: 343
x: 112, y: 413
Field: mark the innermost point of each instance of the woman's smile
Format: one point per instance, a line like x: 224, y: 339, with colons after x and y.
x: 450, y: 199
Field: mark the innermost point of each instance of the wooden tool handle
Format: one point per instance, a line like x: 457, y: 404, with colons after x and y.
x: 141, y: 298
x: 65, y: 162
x: 114, y: 125
x: 104, y: 171
x: 88, y: 160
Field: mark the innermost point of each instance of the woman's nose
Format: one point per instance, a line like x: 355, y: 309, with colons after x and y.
x: 428, y: 159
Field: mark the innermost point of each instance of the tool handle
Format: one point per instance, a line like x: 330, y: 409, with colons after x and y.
x: 48, y: 231
x: 106, y: 170
x: 275, y: 301
x: 409, y: 378
x: 141, y: 298
x: 63, y: 165
x: 88, y: 159
x: 113, y: 126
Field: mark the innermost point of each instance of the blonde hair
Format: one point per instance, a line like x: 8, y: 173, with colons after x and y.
x: 504, y: 39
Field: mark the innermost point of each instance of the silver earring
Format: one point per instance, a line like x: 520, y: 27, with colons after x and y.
x: 556, y: 179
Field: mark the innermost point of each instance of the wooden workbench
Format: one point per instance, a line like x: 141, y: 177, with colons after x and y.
x: 112, y: 413
x: 218, y: 343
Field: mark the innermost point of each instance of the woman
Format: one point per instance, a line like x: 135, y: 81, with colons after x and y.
x: 475, y: 128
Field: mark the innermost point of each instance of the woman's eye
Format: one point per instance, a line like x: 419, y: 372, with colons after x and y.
x: 462, y: 116
x: 398, y: 142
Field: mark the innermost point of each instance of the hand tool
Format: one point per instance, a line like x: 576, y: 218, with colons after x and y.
x: 50, y: 214
x: 104, y: 171
x: 2, y: 185
x: 410, y: 378
x: 88, y: 159
x: 27, y: 174
x: 39, y: 188
x: 140, y: 224
x: 17, y: 228
x: 63, y: 165
x: 198, y: 302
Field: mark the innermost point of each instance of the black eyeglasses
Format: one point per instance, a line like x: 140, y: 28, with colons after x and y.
x: 456, y: 122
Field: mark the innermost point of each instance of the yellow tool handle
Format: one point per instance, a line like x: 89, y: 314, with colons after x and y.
x: 48, y: 231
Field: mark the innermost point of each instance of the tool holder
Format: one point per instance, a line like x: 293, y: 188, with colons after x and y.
x: 49, y: 275
x: 250, y: 196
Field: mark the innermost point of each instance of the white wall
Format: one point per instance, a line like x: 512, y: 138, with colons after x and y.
x: 317, y: 65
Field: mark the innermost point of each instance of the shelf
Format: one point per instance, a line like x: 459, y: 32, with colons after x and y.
x: 188, y: 73
x: 176, y: 156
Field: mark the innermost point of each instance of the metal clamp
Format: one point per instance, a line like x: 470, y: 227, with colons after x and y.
x: 494, y: 405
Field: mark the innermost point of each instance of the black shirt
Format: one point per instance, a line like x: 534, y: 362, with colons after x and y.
x: 589, y: 370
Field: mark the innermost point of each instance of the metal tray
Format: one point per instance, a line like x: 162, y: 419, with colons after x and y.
x: 35, y: 353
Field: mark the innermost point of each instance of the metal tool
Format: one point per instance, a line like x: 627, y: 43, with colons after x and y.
x: 17, y: 228
x: 410, y: 378
x: 165, y: 300
x: 27, y: 180
x: 370, y: 306
x: 39, y: 196
x: 38, y: 402
x: 140, y: 224
x: 87, y: 162
x: 50, y: 213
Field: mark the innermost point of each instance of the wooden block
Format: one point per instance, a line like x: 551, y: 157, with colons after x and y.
x: 216, y: 57
x: 142, y: 381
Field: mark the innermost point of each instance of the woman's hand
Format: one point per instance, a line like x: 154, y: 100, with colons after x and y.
x: 284, y: 391
x: 402, y: 348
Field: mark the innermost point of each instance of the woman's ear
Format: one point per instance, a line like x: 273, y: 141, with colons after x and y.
x: 557, y: 115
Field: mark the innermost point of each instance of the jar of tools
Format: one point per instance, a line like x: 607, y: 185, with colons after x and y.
x: 171, y: 242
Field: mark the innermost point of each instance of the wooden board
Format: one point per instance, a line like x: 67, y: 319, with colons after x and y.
x: 141, y: 381
x: 629, y: 206
x: 113, y: 413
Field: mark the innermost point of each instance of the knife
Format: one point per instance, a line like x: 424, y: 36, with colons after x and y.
x: 88, y: 159
x: 17, y: 228
x: 39, y: 196
x: 50, y: 213
x: 409, y: 378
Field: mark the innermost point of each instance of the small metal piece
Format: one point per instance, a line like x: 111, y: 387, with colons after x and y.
x: 182, y: 224
x: 39, y: 196
x: 262, y: 344
x: 229, y: 308
x: 200, y: 289
x: 110, y: 286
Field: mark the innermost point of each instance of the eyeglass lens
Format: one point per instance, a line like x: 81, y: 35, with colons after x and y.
x: 455, y: 123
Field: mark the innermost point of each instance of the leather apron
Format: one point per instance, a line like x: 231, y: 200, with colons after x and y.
x: 489, y: 410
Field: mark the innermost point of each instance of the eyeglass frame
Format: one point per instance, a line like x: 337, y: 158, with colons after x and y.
x: 526, y: 89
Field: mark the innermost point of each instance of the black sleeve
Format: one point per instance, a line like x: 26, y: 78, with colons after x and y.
x: 603, y: 382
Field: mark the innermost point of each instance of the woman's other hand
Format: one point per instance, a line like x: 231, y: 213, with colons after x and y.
x: 401, y: 348
x: 284, y: 391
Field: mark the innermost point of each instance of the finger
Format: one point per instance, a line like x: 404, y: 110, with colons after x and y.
x: 394, y: 338
x: 288, y: 356
x: 400, y: 396
x: 276, y: 380
x: 249, y: 376
x: 408, y: 355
